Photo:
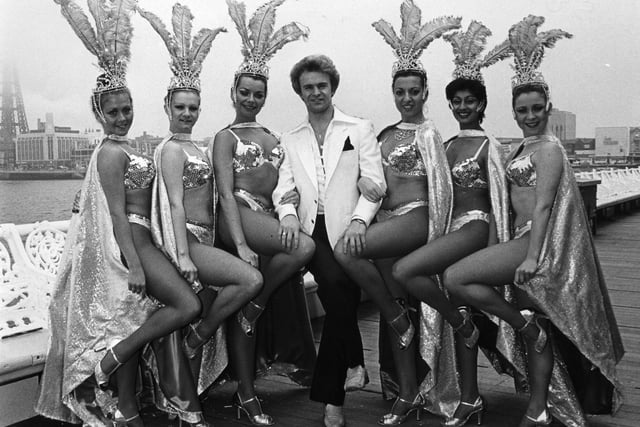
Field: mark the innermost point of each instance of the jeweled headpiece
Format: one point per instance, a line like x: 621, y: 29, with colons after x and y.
x: 414, y: 37
x: 109, y: 42
x: 467, y: 47
x: 528, y: 46
x: 186, y: 55
x: 259, y: 42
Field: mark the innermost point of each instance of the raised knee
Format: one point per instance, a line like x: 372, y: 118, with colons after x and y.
x: 451, y: 282
x: 254, y: 283
x: 342, y: 258
x: 400, y: 272
x: 306, y: 248
x: 190, y: 309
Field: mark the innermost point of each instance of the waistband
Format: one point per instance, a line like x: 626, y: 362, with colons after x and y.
x: 202, y: 232
x: 140, y: 220
x: 466, y: 217
x: 403, y: 208
x: 522, y: 229
x: 255, y: 204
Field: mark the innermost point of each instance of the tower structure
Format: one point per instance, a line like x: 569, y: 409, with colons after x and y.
x: 12, y: 114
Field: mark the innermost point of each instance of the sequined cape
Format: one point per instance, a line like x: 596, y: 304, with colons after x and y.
x: 437, y: 346
x: 569, y: 287
x: 214, y: 354
x: 91, y: 310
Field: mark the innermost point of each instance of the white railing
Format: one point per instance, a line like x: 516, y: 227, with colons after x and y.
x: 616, y: 185
x: 29, y: 257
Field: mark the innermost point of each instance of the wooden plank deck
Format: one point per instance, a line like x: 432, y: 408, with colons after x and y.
x: 618, y: 244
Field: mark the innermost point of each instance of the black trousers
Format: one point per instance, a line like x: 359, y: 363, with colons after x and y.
x: 341, y: 343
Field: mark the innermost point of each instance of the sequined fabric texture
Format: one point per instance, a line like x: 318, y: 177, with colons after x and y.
x: 468, y: 173
x: 569, y: 288
x: 250, y: 155
x: 405, y: 159
x: 196, y: 172
x: 521, y: 172
x: 140, y: 173
x: 91, y: 309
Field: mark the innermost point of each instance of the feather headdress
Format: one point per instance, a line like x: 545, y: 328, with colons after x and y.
x: 186, y: 54
x: 259, y: 42
x: 414, y: 37
x: 467, y: 48
x: 528, y: 49
x: 109, y: 42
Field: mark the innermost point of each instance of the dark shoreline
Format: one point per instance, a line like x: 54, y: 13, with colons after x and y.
x: 39, y: 175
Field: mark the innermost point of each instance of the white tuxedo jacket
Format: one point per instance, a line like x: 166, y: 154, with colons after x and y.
x: 350, y: 151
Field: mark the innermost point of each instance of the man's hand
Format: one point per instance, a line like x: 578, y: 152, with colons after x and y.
x: 370, y: 190
x: 290, y: 197
x: 289, y: 232
x: 354, y: 238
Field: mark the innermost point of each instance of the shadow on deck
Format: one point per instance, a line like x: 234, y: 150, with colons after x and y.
x: 619, y: 251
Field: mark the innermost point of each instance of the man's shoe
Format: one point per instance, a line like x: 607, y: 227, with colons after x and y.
x: 357, y: 378
x: 333, y: 416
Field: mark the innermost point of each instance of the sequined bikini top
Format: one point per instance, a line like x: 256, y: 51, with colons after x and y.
x: 467, y: 173
x: 140, y: 173
x: 521, y: 171
x: 197, y: 170
x: 405, y: 158
x: 250, y: 155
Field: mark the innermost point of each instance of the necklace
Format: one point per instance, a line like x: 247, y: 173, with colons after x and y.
x: 182, y: 137
x: 404, y: 130
x: 118, y: 138
x: 246, y: 125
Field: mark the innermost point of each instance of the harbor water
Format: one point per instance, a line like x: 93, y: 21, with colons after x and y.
x: 23, y: 202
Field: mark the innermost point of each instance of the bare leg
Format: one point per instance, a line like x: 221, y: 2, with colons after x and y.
x: 403, y: 359
x: 261, y: 233
x: 415, y: 269
x: 392, y: 238
x: 475, y: 285
x: 126, y: 380
x: 165, y: 284
x: 239, y: 281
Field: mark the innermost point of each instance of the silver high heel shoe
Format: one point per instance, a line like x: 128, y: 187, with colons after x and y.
x: 476, y: 408
x: 102, y: 378
x: 403, y: 338
x: 260, y: 419
x: 392, y: 419
x: 544, y: 419
x: 471, y: 340
x: 201, y: 422
x: 533, y: 318
x: 249, y: 326
x: 119, y: 420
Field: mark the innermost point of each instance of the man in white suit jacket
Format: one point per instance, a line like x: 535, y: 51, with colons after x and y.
x: 324, y: 158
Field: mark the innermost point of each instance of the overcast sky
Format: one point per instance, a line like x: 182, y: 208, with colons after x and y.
x: 594, y: 75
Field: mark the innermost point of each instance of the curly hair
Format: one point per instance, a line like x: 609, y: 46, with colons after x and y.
x: 318, y: 63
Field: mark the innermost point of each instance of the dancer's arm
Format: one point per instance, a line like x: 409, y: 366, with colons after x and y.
x: 173, y: 159
x: 548, y: 164
x: 223, y: 148
x: 112, y: 164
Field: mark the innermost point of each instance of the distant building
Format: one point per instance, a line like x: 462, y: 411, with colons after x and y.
x: 49, y: 146
x: 508, y: 144
x: 146, y: 143
x: 563, y: 124
x: 617, y: 142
